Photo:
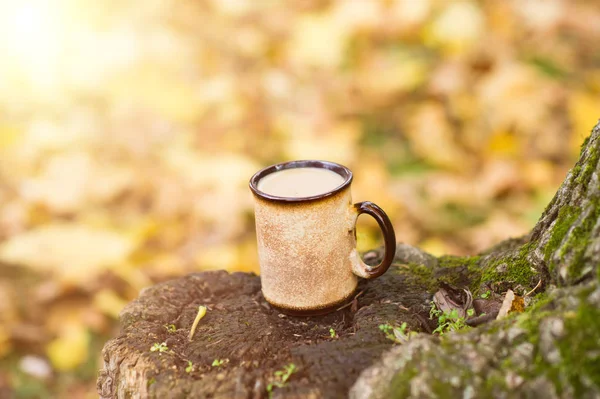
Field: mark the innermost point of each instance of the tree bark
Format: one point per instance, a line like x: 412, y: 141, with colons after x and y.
x: 551, y: 350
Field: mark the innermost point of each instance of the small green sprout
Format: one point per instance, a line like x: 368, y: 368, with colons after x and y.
x: 160, y: 348
x: 486, y: 294
x: 448, y: 321
x: 219, y: 362
x: 189, y: 367
x: 332, y: 333
x: 171, y: 328
x: 397, y: 334
x: 281, y: 377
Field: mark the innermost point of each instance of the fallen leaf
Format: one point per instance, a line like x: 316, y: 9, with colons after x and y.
x: 307, y: 47
x: 511, y: 303
x: 5, y: 342
x: 72, y: 252
x: 539, y: 14
x: 583, y: 111
x: 408, y: 13
x: 518, y: 305
x: 8, y: 136
x: 71, y: 180
x: 306, y: 144
x: 457, y: 27
x: 109, y: 303
x: 70, y: 349
x: 156, y: 87
x: 448, y: 298
x: 503, y: 143
x: 510, y: 88
x: 389, y: 73
x: 432, y: 138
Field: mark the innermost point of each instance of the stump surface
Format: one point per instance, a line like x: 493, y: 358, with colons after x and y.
x: 252, y: 338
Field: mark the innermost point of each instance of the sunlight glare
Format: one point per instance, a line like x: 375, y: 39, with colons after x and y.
x: 30, y: 40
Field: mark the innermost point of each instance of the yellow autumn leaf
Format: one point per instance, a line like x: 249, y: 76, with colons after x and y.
x: 510, y: 89
x: 539, y: 174
x: 391, y: 73
x: 306, y: 143
x: 223, y: 257
x: 68, y: 181
x: 503, y: 143
x: 248, y: 256
x: 358, y: 14
x: 366, y: 237
x: 5, y: 342
x: 71, y: 252
x: 9, y: 135
x: 584, y: 111
x: 432, y: 138
x: 138, y: 279
x: 434, y: 246
x: 70, y: 349
x: 157, y: 88
x: 457, y: 27
x: 233, y: 7
x: 370, y: 174
x: 318, y: 40
x: 239, y: 257
x: 408, y: 13
x: 109, y: 303
x: 209, y: 170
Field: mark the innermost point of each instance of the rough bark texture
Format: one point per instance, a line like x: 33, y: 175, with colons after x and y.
x: 551, y: 350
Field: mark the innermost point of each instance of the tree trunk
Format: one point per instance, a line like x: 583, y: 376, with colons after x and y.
x: 550, y: 350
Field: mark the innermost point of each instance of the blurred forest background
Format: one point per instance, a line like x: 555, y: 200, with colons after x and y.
x: 129, y: 130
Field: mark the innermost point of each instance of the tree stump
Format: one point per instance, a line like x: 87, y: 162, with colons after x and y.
x: 551, y: 350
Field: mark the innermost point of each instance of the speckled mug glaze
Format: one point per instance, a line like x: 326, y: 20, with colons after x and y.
x: 307, y: 245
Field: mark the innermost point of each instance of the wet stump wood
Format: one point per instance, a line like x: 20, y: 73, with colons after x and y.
x: 552, y: 350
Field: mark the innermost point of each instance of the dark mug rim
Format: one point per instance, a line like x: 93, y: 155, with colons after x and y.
x: 332, y: 166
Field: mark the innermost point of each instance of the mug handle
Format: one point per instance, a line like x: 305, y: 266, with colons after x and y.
x: 359, y: 267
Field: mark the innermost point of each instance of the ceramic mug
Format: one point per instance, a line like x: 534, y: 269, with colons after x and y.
x: 307, y: 245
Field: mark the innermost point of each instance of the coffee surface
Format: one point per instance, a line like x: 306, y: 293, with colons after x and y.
x: 300, y: 182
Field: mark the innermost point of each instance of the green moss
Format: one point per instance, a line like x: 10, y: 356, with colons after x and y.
x: 585, y: 142
x: 580, y: 359
x: 539, y: 302
x: 493, y: 384
x: 450, y: 261
x: 458, y: 271
x: 469, y: 271
x: 577, y: 238
x: 578, y: 345
x: 400, y: 385
x: 453, y: 270
x: 584, y: 174
x: 575, y: 374
x: 421, y: 273
x: 567, y: 215
x: 512, y: 268
x: 578, y: 241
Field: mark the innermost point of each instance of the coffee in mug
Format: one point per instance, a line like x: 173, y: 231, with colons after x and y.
x: 300, y: 182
